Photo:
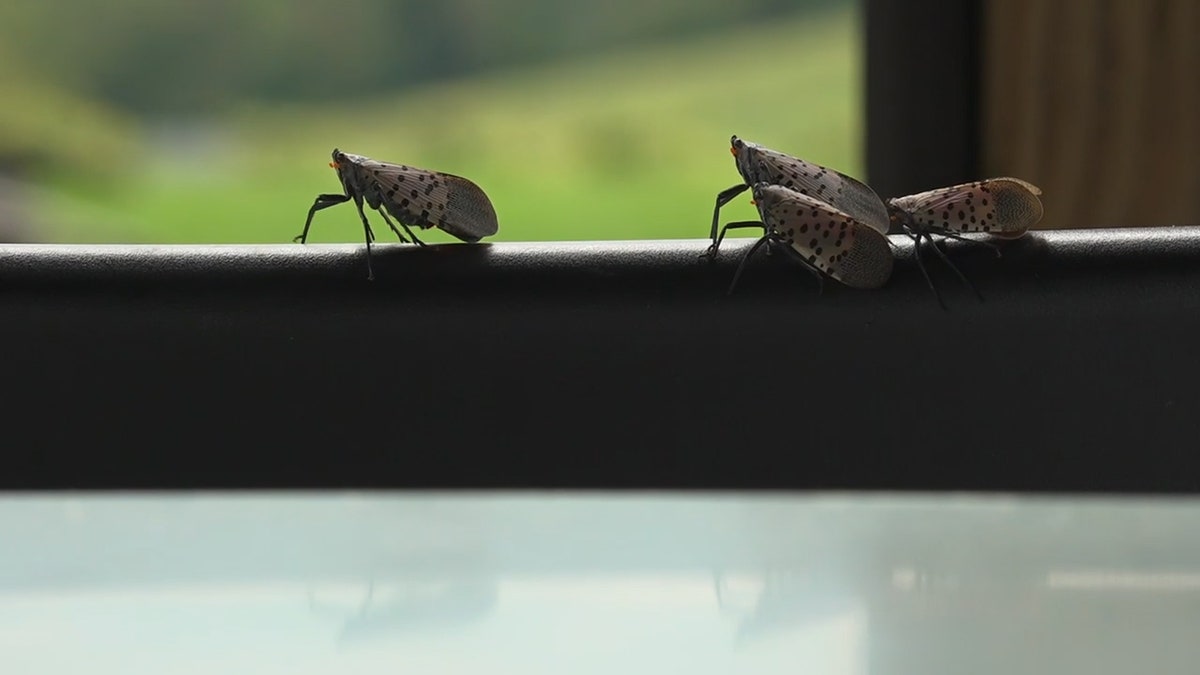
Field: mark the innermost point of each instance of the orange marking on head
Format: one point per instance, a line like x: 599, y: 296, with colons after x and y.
x: 733, y: 151
x: 333, y: 165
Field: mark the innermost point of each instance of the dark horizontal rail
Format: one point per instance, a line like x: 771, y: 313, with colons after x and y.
x: 592, y: 365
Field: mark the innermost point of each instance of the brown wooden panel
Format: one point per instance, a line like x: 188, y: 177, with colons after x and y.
x: 1099, y: 104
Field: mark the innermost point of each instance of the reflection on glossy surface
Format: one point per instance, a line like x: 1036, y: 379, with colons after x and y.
x: 369, y: 583
x: 417, y: 606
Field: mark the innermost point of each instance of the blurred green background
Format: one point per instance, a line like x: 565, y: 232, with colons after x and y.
x: 212, y: 122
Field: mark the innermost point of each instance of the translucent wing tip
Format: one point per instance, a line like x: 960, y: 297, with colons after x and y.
x: 470, y: 214
x: 869, y: 263
x: 1023, y: 183
x: 1018, y: 204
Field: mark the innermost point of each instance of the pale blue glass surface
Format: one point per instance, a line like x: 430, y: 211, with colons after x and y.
x: 346, y: 583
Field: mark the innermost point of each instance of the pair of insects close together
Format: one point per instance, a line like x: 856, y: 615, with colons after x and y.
x: 830, y: 223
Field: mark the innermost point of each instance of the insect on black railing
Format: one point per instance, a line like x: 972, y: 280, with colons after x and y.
x: 999, y: 207
x: 757, y: 164
x: 414, y: 197
x: 822, y: 239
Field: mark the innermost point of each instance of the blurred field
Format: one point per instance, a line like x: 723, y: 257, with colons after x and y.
x: 632, y: 146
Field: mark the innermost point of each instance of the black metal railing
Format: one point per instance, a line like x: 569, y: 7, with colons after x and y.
x: 619, y: 364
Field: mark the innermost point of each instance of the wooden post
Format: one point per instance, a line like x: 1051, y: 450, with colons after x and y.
x: 1098, y: 103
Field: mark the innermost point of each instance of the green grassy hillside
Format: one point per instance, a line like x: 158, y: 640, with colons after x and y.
x: 629, y: 146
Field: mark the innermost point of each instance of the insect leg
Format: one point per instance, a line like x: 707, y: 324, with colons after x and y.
x: 369, y: 235
x: 954, y: 267
x: 383, y: 212
x: 723, y: 198
x: 958, y: 237
x: 738, y: 274
x: 739, y: 225
x: 415, y: 240
x: 916, y: 237
x: 322, y: 202
x: 820, y: 276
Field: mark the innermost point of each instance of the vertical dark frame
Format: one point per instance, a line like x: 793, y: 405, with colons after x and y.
x: 923, y: 93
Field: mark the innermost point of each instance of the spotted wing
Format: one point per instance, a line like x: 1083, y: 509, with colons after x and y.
x: 832, y: 241
x: 1002, y: 207
x: 844, y: 193
x: 424, y: 198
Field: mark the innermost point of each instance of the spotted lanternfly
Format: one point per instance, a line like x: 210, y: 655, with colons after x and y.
x: 826, y: 241
x: 1000, y: 207
x: 415, y: 198
x: 757, y: 164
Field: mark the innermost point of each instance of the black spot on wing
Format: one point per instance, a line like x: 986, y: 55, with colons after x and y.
x: 832, y: 187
